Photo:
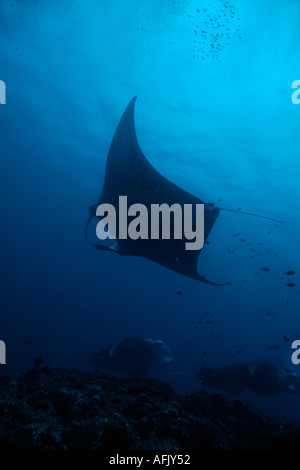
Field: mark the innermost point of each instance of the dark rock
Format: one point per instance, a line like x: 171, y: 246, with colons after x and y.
x: 58, y: 409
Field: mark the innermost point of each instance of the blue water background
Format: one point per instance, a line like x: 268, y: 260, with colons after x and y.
x: 218, y: 121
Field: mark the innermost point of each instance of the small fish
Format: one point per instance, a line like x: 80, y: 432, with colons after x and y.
x: 242, y: 239
x: 290, y: 284
x: 276, y: 346
x: 204, y: 353
x: 259, y: 243
x: 290, y: 272
x: 269, y: 348
x: 236, y: 235
x: 208, y: 321
x: 228, y: 283
x: 269, y: 232
x: 239, y: 351
x: 285, y: 338
x: 269, y: 313
x: 178, y: 292
x: 277, y: 226
x: 287, y: 302
x: 239, y: 208
x: 265, y: 269
x: 37, y: 361
x: 220, y: 200
x: 251, y: 257
x: 27, y: 343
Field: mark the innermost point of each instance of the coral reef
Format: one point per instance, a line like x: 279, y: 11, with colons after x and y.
x: 54, y: 409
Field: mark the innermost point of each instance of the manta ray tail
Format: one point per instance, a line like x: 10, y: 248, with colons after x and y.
x: 250, y: 213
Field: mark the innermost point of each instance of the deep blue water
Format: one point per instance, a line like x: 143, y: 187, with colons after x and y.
x: 214, y: 115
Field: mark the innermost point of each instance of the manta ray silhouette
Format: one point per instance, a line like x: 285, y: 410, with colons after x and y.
x: 133, y: 356
x: 129, y: 173
x: 262, y: 378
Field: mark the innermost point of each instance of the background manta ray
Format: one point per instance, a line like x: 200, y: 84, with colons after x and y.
x: 262, y: 378
x: 129, y: 173
x: 133, y: 356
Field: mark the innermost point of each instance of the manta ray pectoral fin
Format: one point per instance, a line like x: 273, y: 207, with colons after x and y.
x: 100, y: 246
x: 187, y: 264
x: 206, y: 281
